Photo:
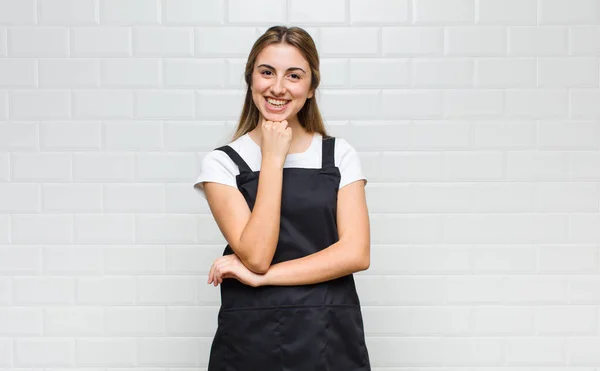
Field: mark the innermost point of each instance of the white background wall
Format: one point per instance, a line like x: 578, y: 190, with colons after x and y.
x: 478, y: 125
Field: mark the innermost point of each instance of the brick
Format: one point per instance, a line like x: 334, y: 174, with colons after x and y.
x: 103, y: 104
x: 19, y: 198
x: 475, y: 41
x: 503, y: 321
x: 504, y: 135
x: 191, y: 259
x: 564, y: 321
x: 132, y: 135
x: 574, y: 11
x: 192, y: 13
x: 43, y: 290
x: 164, y: 104
x: 427, y: 73
x: 583, y: 228
x: 191, y: 321
x: 130, y: 12
x: 106, y: 290
x: 379, y: 11
x: 507, y: 12
x: 27, y: 167
x: 167, y: 290
x: 20, y: 261
x: 71, y: 12
x: 195, y: 73
x: 473, y: 103
x: 505, y: 72
x: 77, y: 261
x: 411, y: 104
x: 73, y: 321
x: 18, y: 136
x: 141, y: 73
x: 171, y: 229
x: 194, y: 136
x: 256, y: 11
x: 38, y: 42
x: 17, y: 72
x: 41, y: 104
x: 568, y: 135
x: 302, y: 11
x: 163, y: 42
x: 568, y: 72
x: 398, y: 322
x: 333, y: 41
x: 537, y: 103
x: 584, y: 40
x: 370, y: 73
x: 101, y: 42
x: 106, y: 352
x: 123, y: 321
x: 535, y: 351
x: 226, y: 41
x: 42, y: 229
x: 70, y: 135
x: 413, y: 41
x: 501, y: 259
x: 443, y: 11
x: 134, y: 198
x: 69, y: 73
x: 72, y: 198
x: 218, y: 105
x: 18, y: 12
x: 536, y: 166
x: 134, y: 259
x: 584, y: 103
x: 542, y: 41
x: 20, y: 322
x: 104, y: 229
x: 584, y: 165
x: 184, y: 352
x: 44, y: 352
x: 106, y: 166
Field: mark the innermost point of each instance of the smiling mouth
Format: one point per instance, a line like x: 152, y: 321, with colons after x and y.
x: 276, y: 103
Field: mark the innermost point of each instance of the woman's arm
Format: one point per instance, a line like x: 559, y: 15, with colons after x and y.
x: 350, y: 254
x: 245, y: 230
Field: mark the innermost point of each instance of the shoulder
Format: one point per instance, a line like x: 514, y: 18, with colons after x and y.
x: 216, y: 166
x: 347, y: 159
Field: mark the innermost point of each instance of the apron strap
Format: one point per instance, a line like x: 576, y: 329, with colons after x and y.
x: 328, y: 157
x: 239, y: 161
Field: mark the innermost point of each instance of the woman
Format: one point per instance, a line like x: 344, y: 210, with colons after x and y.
x: 290, y: 202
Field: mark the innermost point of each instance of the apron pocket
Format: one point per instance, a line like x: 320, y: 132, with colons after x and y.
x: 252, y: 339
x: 303, y: 338
x: 347, y: 350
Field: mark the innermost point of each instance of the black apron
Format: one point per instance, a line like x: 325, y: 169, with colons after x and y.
x: 292, y: 328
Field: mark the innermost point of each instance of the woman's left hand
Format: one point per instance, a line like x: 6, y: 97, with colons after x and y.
x: 230, y: 266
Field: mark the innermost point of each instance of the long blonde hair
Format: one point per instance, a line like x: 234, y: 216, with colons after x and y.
x: 309, y: 115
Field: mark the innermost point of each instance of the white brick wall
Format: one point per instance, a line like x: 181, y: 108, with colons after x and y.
x: 478, y: 127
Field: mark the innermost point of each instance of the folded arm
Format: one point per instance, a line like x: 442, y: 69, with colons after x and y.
x: 252, y: 235
x: 349, y: 255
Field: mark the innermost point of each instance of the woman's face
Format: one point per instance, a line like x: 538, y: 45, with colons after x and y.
x: 280, y: 82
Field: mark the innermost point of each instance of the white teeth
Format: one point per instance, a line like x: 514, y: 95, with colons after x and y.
x: 276, y: 102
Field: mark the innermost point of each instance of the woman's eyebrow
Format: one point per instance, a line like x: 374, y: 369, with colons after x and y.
x: 289, y: 69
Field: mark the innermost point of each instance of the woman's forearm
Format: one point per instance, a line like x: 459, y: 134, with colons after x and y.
x: 261, y: 234
x: 338, y: 260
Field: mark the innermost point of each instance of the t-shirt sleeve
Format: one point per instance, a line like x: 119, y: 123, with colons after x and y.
x: 349, y: 164
x: 216, y: 167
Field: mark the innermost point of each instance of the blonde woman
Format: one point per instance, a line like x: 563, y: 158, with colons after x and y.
x: 290, y: 201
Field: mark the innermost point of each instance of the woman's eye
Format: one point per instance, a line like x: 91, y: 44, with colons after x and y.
x: 265, y: 71
x: 297, y: 76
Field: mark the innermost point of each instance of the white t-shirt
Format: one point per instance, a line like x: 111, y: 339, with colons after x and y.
x: 218, y: 167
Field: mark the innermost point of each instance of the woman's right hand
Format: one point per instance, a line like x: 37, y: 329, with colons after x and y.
x: 275, y: 142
